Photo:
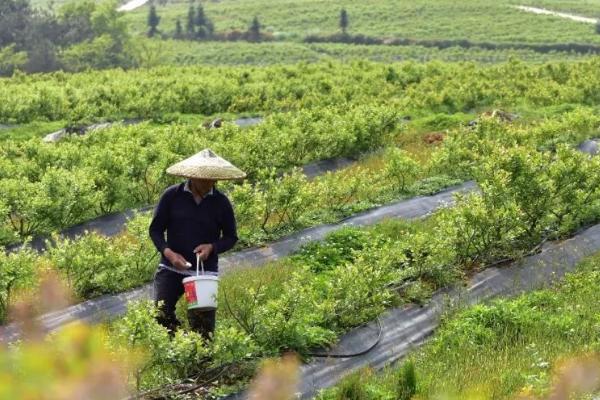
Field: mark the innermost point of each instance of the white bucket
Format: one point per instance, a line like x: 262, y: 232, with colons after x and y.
x: 201, y: 291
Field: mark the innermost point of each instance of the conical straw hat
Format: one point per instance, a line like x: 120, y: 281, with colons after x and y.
x: 206, y: 165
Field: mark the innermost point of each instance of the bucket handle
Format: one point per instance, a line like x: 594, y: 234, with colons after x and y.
x: 199, y: 262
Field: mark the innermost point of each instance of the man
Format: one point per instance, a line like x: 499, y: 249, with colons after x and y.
x: 198, y: 220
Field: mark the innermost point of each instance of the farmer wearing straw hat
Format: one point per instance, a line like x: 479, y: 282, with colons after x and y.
x: 199, y: 221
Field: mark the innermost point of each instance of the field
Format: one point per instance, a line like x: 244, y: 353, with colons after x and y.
x: 514, y: 163
x: 485, y: 21
x: 482, y: 31
x: 406, y: 120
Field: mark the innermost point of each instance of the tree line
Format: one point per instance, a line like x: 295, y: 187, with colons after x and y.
x: 199, y: 27
x: 87, y: 34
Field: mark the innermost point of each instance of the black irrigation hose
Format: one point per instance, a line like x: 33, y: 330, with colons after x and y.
x: 360, y: 353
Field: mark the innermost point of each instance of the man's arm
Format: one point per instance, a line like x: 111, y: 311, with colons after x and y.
x: 159, y: 223
x: 158, y: 226
x: 228, y: 229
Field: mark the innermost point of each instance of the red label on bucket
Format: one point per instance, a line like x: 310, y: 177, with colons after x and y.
x: 190, y: 292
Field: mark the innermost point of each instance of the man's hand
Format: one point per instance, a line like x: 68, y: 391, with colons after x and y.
x: 204, y: 250
x: 176, y: 259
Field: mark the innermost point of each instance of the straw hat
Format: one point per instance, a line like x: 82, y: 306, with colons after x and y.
x: 206, y: 165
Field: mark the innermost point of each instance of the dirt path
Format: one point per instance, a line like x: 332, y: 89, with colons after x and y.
x: 543, y: 11
x: 132, y: 5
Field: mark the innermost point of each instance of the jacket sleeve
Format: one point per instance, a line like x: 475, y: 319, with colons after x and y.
x: 228, y: 230
x: 160, y: 221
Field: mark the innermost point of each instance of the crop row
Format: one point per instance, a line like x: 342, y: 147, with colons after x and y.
x: 408, y: 86
x: 177, y: 52
x: 46, y: 187
x: 276, y: 205
x: 534, y: 187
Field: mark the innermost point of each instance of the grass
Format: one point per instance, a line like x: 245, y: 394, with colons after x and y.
x: 500, y: 350
x: 30, y: 130
x: 482, y: 20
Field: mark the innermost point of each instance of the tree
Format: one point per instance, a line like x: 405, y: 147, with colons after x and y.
x: 178, y: 29
x: 75, y: 22
x: 52, y: 40
x: 200, y: 19
x: 203, y: 24
x: 42, y: 56
x: 254, y: 30
x: 110, y: 47
x: 344, y: 20
x: 153, y: 21
x: 190, y: 28
x: 10, y: 60
x: 210, y: 28
x: 598, y: 26
x: 15, y: 18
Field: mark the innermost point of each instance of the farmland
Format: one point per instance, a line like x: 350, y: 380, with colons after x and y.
x: 491, y: 21
x: 540, y: 144
x: 482, y: 31
x: 398, y: 121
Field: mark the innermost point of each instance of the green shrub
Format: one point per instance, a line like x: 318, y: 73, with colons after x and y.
x: 285, y: 200
x: 401, y: 168
x: 165, y: 360
x: 94, y: 264
x: 18, y: 271
x: 353, y: 387
x: 168, y: 360
x: 339, y: 247
x: 294, y: 320
x: 357, y: 292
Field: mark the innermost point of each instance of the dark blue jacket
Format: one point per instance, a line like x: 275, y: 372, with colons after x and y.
x: 188, y: 224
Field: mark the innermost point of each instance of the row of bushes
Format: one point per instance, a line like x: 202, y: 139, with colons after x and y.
x: 278, y: 205
x: 49, y: 187
x: 446, y: 44
x: 93, y: 264
x: 423, y: 88
x: 308, y: 300
x: 327, y: 288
